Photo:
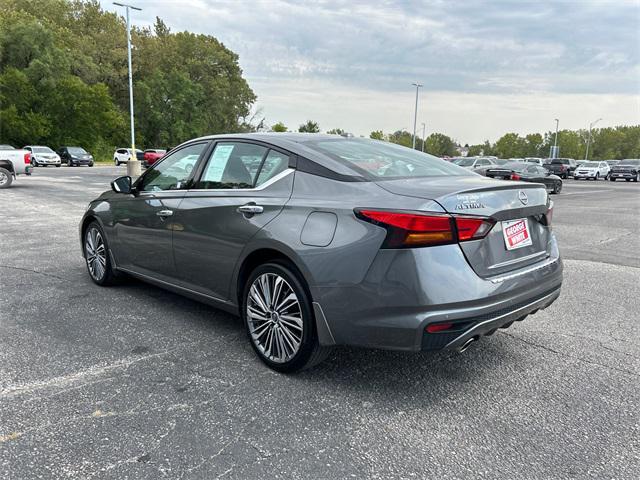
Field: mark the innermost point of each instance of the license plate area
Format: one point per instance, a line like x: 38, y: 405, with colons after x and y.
x: 516, y: 233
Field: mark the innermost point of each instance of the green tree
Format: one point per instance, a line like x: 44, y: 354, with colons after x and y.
x: 401, y: 137
x: 279, y: 127
x: 510, y: 145
x: 309, y: 127
x: 336, y: 131
x: 475, y: 150
x: 377, y: 135
x: 440, y: 145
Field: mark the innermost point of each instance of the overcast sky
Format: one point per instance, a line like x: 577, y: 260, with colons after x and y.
x: 487, y: 67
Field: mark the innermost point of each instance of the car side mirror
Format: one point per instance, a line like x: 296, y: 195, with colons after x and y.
x: 122, y: 185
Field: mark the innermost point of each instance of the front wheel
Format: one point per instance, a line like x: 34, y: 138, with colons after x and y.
x: 279, y: 319
x: 115, y: 160
x: 597, y: 177
x: 96, y: 254
x: 6, y: 178
x: 611, y: 179
x: 58, y: 165
x: 91, y: 164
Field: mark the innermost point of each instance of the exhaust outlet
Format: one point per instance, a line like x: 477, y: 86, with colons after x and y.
x: 462, y: 348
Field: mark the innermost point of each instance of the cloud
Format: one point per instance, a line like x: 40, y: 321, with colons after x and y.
x: 567, y: 51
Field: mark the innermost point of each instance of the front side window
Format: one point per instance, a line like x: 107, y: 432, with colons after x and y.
x: 232, y: 165
x: 173, y: 171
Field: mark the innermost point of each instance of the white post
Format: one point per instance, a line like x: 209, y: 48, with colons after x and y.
x: 415, y: 115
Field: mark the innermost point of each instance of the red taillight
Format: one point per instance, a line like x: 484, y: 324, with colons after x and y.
x: 438, y: 327
x: 409, y: 230
x: 515, y: 176
x: 27, y: 158
x: 472, y: 228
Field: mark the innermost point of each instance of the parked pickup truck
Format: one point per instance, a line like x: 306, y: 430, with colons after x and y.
x: 563, y: 167
x: 13, y: 163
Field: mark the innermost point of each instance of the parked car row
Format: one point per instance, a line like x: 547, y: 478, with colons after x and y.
x: 560, y: 167
x: 147, y: 157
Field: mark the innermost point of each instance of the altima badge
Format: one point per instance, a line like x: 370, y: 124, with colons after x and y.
x: 523, y: 197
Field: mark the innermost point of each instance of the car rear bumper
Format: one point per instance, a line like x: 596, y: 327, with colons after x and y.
x: 622, y: 175
x: 407, y: 290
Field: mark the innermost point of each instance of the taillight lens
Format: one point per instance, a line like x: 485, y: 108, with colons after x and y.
x: 410, y: 230
x: 515, y: 176
x: 473, y: 228
x: 27, y: 158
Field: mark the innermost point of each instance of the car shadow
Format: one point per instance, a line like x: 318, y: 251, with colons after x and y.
x: 389, y: 375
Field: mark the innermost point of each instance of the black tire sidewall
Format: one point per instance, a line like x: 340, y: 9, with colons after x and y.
x: 309, y: 336
x: 9, y: 178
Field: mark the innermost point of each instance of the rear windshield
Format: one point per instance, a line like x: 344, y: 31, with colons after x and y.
x: 76, y: 150
x: 589, y: 164
x: 559, y: 161
x: 379, y: 160
x: 635, y: 163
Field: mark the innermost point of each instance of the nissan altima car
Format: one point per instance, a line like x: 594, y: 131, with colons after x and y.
x: 319, y: 240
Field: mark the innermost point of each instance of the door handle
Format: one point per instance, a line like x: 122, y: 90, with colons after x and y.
x: 164, y: 213
x: 251, y: 209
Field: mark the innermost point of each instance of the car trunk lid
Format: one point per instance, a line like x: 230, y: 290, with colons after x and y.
x: 504, y: 202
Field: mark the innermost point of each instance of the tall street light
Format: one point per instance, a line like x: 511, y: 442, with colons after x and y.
x: 586, y: 155
x: 424, y: 140
x: 554, y: 154
x: 415, y: 114
x: 133, y: 165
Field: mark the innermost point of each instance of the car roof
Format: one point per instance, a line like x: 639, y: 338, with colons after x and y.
x: 295, y: 143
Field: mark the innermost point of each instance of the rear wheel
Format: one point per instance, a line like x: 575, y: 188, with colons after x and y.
x: 557, y: 187
x: 611, y: 179
x: 637, y: 177
x: 96, y: 254
x: 6, y: 178
x: 279, y: 319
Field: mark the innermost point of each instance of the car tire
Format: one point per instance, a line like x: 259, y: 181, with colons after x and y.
x: 611, y: 179
x: 97, y: 258
x: 597, y: 177
x: 58, y: 165
x: 637, y: 177
x: 91, y: 164
x: 281, y: 331
x: 6, y: 178
x: 115, y: 160
x: 557, y: 188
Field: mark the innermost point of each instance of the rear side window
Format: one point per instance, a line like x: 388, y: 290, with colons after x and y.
x: 232, y: 165
x: 274, y: 164
x: 377, y: 160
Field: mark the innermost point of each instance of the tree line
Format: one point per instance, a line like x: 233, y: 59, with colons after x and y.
x: 64, y: 80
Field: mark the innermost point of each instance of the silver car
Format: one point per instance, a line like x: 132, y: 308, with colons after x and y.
x: 320, y: 240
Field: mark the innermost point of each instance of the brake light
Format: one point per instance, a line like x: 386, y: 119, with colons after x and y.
x: 515, y: 176
x: 409, y: 230
x: 27, y: 158
x: 472, y: 228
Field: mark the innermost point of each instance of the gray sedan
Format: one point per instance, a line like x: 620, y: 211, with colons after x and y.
x: 319, y: 240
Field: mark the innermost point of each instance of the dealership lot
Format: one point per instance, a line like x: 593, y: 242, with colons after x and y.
x: 136, y: 382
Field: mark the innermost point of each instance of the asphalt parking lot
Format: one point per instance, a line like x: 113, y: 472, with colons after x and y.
x: 135, y: 382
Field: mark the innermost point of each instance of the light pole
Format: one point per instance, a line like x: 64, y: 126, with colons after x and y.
x: 415, y: 114
x: 586, y: 155
x: 424, y: 140
x: 133, y: 165
x: 554, y: 153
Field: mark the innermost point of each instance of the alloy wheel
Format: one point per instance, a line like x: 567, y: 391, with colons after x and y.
x: 4, y: 178
x: 95, y: 254
x: 274, y: 317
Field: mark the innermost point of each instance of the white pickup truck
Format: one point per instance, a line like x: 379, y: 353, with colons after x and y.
x: 13, y: 163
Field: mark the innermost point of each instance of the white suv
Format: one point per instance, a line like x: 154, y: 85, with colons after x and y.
x: 121, y: 155
x: 42, y: 156
x: 593, y: 170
